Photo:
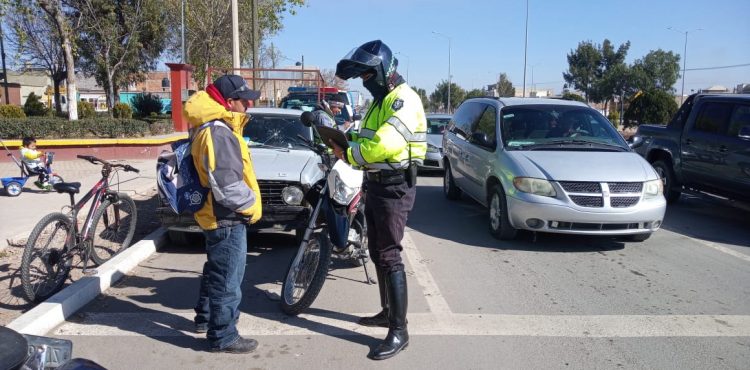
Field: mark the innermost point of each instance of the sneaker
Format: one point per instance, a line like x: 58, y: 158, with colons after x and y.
x: 241, y: 345
x: 201, y: 328
x: 38, y: 184
x: 46, y: 186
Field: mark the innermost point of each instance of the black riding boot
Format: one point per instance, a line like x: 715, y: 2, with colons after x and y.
x: 398, y: 337
x: 380, y: 319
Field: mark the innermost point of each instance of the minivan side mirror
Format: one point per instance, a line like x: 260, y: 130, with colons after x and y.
x: 482, y: 140
x: 744, y: 132
x: 635, y: 141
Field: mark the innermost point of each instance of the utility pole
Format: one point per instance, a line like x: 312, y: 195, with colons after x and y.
x: 182, y: 29
x: 235, y: 37
x: 254, y: 10
x: 525, y: 46
x: 5, y: 71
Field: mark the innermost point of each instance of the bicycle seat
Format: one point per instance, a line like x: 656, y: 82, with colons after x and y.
x: 67, y: 187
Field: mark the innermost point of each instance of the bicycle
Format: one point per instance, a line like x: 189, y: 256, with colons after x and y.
x: 57, y: 239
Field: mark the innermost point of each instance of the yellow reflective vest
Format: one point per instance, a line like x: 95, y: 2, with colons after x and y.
x: 393, y: 132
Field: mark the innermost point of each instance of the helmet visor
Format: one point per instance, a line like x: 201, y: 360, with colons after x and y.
x: 355, y: 63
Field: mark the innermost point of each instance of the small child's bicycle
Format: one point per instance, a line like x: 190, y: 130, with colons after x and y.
x: 14, y: 185
x: 58, y: 242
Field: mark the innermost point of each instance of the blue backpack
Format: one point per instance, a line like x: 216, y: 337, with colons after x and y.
x: 177, y: 178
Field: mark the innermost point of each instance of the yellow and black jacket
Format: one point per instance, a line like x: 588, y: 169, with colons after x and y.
x: 223, y: 162
x: 393, y: 133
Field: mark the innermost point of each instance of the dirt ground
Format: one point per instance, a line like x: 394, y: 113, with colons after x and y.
x: 12, y: 303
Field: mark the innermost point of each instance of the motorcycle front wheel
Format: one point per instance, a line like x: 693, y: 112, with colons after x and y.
x: 306, y: 274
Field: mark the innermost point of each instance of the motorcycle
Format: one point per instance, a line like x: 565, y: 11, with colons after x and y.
x: 336, y: 226
x: 32, y: 352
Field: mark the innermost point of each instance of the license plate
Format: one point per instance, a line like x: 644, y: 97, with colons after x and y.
x: 58, y: 351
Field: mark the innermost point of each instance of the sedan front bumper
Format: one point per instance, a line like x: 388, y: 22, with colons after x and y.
x: 433, y: 161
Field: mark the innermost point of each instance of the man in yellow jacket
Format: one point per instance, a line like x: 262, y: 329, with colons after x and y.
x: 217, y: 117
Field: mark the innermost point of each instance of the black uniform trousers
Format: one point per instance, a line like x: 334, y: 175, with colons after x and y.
x: 386, y: 210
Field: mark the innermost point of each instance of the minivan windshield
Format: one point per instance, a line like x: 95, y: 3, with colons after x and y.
x: 548, y: 126
x: 436, y: 126
x: 276, y: 130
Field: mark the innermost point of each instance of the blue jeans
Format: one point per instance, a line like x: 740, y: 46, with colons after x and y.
x: 220, y: 292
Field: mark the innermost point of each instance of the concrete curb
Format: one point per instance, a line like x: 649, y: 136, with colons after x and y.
x: 52, y: 312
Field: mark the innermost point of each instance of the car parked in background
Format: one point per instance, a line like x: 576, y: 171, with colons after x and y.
x: 285, y: 170
x: 436, y: 124
x: 550, y: 166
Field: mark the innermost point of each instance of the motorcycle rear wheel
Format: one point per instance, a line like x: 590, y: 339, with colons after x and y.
x: 306, y: 274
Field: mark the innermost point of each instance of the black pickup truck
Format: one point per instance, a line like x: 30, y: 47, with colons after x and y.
x: 705, y: 147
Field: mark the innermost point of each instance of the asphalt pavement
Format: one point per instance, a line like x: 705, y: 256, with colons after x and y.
x: 680, y: 300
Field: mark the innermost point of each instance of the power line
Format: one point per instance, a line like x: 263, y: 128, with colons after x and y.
x: 721, y: 67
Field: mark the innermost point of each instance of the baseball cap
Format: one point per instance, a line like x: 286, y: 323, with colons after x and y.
x: 235, y: 87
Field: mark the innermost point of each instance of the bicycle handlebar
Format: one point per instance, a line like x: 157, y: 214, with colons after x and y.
x: 94, y: 160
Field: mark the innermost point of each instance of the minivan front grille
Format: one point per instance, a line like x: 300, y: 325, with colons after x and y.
x: 587, y: 201
x: 623, y: 202
x: 581, y: 187
x: 625, y: 187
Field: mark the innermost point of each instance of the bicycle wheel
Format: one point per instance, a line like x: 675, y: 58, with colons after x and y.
x: 44, y: 266
x: 112, y: 228
x: 306, y: 274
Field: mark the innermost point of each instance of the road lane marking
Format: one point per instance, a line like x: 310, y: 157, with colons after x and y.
x: 435, y: 299
x: 277, y: 324
x: 717, y: 247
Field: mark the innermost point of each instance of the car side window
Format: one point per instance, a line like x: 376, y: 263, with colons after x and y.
x: 713, y: 118
x: 487, y: 124
x: 740, y: 118
x: 465, y: 117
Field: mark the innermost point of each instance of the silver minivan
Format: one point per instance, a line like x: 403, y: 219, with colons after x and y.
x: 549, y: 165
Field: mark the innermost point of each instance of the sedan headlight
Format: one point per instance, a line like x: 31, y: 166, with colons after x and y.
x: 653, y: 189
x: 292, y: 195
x: 534, y: 186
x: 432, y: 149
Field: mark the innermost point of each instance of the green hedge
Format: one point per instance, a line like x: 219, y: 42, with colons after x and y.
x: 11, y: 111
x: 57, y: 128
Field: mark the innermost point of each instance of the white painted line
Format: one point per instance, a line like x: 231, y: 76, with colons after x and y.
x: 716, y: 247
x: 277, y: 324
x: 52, y: 312
x: 435, y: 299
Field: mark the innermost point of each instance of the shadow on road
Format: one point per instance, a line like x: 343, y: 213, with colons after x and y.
x: 702, y: 217
x: 464, y: 221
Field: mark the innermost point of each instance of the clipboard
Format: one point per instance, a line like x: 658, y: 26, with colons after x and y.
x: 338, y: 137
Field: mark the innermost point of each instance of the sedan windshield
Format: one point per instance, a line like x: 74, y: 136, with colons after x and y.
x: 549, y: 126
x: 276, y: 130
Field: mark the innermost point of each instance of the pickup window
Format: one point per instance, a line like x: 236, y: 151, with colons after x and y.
x: 713, y: 118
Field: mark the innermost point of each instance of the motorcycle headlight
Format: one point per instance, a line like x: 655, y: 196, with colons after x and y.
x: 431, y: 148
x: 653, y: 189
x: 292, y: 195
x: 534, y: 186
x: 341, y: 193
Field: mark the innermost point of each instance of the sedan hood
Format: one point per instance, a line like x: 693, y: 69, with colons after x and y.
x: 583, y: 166
x: 281, y: 165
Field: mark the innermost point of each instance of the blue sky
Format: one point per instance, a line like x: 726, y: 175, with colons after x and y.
x: 487, y: 37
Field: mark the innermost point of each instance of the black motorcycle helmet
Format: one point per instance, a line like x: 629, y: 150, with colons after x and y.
x: 373, y: 55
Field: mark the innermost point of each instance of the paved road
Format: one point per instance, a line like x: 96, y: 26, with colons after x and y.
x: 679, y: 300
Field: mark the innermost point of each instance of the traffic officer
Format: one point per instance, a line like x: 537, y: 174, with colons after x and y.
x: 389, y: 145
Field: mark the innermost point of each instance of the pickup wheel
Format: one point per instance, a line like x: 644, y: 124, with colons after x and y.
x: 664, y: 171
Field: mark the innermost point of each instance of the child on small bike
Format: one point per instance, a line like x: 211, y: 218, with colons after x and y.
x: 33, y: 161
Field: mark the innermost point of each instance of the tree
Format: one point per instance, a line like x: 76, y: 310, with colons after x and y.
x: 657, y: 70
x: 439, y: 97
x: 38, y: 44
x: 53, y: 9
x: 208, y: 30
x: 475, y: 93
x: 33, y: 106
x: 119, y: 40
x: 573, y: 96
x: 653, y: 106
x: 504, y: 86
x: 423, y: 96
x: 330, y: 79
x: 583, y: 64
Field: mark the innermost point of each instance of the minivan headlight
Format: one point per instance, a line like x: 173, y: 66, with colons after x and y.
x: 653, y: 188
x: 534, y: 186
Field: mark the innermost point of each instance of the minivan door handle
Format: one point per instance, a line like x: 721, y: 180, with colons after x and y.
x: 689, y: 142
